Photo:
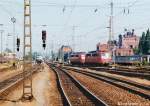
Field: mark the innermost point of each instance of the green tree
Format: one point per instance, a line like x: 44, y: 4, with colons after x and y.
x: 146, y: 46
x: 136, y: 50
x: 141, y: 48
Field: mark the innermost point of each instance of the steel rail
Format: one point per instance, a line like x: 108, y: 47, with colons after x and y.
x: 93, y: 98
x: 145, y: 75
x: 11, y: 82
x: 119, y: 83
x: 142, y: 86
x: 65, y: 99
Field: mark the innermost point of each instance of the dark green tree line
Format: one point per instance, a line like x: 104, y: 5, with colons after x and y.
x: 144, y: 43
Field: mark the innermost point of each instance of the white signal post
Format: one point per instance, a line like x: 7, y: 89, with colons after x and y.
x: 13, y: 20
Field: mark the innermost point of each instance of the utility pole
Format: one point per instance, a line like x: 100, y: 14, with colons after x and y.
x: 73, y: 38
x: 1, y: 31
x: 1, y: 44
x: 27, y: 53
x: 52, y: 51
x: 7, y: 40
x: 111, y: 44
x: 14, y: 36
x: 111, y: 29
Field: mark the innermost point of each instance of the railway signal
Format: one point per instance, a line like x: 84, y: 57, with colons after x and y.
x: 44, y: 38
x: 18, y: 43
x: 44, y: 45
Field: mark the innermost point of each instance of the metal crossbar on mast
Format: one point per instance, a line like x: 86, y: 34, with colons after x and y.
x: 27, y: 53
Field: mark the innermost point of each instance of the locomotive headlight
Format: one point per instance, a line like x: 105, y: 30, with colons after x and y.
x: 82, y: 56
x: 107, y: 55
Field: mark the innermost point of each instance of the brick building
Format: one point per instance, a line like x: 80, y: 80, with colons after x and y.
x: 124, y: 52
x: 124, y: 46
x: 127, y: 43
x: 102, y: 47
x: 128, y: 40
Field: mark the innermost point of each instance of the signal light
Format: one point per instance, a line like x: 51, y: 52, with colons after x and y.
x: 44, y: 38
x: 18, y: 43
x: 18, y: 49
x: 44, y: 45
x: 44, y: 41
x: 43, y: 35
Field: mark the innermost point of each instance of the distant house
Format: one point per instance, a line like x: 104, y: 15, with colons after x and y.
x: 64, y: 53
x: 7, y: 57
x: 66, y: 49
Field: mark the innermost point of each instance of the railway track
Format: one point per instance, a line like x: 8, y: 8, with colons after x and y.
x: 10, y: 82
x: 74, y: 93
x: 131, y: 73
x: 136, y: 88
x: 123, y: 69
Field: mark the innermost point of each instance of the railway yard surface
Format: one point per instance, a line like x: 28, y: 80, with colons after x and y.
x: 74, y: 53
x: 55, y: 85
x: 44, y: 91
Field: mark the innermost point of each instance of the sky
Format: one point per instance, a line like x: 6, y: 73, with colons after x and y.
x: 62, y: 16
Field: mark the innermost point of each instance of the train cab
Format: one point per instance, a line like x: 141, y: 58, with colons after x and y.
x: 77, y: 58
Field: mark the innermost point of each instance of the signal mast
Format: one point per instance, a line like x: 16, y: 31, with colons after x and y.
x: 27, y: 53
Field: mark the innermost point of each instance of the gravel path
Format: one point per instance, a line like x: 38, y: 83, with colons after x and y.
x: 55, y: 97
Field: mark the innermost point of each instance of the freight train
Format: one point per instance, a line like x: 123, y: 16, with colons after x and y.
x: 128, y: 60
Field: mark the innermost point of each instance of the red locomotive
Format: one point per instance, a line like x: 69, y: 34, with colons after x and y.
x: 91, y: 58
x: 77, y: 58
x: 98, y: 58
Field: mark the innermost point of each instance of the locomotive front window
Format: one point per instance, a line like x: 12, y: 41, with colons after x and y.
x: 88, y: 54
x: 94, y: 55
x: 76, y: 56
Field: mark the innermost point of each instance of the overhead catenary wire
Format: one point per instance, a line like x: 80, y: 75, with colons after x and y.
x: 67, y: 7
x: 6, y: 10
x: 9, y: 13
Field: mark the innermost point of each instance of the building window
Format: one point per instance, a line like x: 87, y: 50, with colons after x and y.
x: 131, y: 46
x: 98, y: 48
